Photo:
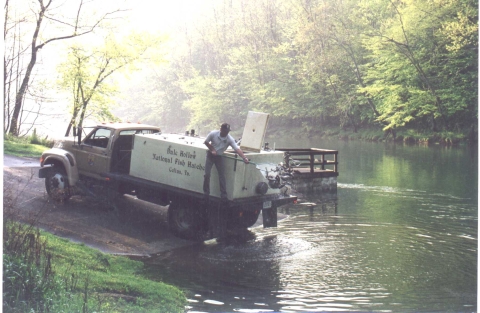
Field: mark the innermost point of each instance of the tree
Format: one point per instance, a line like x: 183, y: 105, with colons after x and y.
x: 46, y: 13
x: 86, y: 73
x: 340, y: 63
x: 232, y: 55
x: 12, y: 60
x: 417, y: 74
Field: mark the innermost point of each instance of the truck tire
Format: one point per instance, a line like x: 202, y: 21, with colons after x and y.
x: 185, y: 220
x: 56, y: 184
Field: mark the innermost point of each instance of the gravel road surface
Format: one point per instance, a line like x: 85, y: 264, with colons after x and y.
x: 140, y: 231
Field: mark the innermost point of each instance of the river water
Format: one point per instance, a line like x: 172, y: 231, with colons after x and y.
x: 400, y: 234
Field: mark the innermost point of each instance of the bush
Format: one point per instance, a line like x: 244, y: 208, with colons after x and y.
x: 35, y: 140
x: 28, y: 279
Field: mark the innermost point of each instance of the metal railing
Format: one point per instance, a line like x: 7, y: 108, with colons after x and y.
x: 311, y: 158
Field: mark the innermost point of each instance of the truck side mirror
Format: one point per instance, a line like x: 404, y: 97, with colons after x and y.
x: 79, y: 134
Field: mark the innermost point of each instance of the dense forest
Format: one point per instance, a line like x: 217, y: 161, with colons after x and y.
x: 351, y: 65
x: 316, y: 64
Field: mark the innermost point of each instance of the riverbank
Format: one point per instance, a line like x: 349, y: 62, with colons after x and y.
x: 50, y: 269
x: 56, y: 275
x: 377, y: 135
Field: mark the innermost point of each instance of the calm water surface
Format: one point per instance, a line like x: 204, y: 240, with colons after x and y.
x: 399, y: 235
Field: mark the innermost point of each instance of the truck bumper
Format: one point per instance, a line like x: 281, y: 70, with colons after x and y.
x: 268, y: 205
x: 265, y: 202
x: 42, y: 173
x: 270, y: 215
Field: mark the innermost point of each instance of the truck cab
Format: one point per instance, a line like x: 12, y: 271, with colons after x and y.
x: 105, y: 148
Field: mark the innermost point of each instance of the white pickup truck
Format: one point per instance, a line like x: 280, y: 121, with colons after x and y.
x: 167, y: 169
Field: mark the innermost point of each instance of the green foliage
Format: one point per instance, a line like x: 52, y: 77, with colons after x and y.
x: 34, y: 139
x: 416, y: 74
x: 87, y: 73
x: 28, y: 279
x: 392, y: 65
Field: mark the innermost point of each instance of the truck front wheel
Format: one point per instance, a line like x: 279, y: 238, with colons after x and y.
x: 56, y: 184
x: 185, y: 220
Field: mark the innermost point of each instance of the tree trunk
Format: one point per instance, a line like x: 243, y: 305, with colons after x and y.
x: 26, y: 79
x: 76, y: 109
x: 84, y: 108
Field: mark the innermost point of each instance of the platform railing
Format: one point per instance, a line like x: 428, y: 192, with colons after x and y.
x: 311, y: 158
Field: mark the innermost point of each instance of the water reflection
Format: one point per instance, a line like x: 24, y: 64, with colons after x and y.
x: 324, y: 203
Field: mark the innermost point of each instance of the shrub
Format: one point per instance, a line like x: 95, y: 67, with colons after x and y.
x: 28, y: 279
x: 35, y: 140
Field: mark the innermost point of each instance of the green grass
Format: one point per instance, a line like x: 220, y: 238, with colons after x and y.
x: 23, y: 150
x: 101, y: 282
x: 114, y: 275
x: 23, y: 147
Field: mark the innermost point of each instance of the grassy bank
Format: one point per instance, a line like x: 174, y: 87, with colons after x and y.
x: 31, y: 146
x: 45, y: 273
x: 115, y: 280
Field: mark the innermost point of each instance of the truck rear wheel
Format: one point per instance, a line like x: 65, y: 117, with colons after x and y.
x: 185, y: 220
x: 56, y: 184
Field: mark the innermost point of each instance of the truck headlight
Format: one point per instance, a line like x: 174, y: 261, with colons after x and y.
x: 261, y: 188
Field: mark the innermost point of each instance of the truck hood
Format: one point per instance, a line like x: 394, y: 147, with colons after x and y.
x: 65, y: 144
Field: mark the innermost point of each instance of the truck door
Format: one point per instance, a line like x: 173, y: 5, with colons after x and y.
x: 93, y: 154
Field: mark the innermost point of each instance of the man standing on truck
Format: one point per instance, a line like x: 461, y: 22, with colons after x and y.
x: 217, y: 142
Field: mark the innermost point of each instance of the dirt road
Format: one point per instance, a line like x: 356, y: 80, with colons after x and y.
x: 141, y: 231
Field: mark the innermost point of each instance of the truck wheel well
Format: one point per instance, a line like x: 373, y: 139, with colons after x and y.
x: 185, y: 219
x: 56, y: 163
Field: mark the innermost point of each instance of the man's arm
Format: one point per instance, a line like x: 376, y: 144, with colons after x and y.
x: 237, y: 149
x: 209, y: 145
x: 211, y: 148
x: 240, y: 153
